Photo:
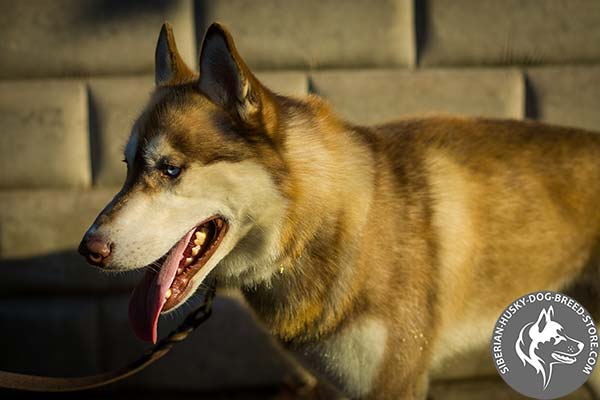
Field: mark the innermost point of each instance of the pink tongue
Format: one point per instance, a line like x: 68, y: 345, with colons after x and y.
x: 148, y: 297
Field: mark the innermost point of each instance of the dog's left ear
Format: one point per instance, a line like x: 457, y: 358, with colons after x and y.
x: 228, y: 82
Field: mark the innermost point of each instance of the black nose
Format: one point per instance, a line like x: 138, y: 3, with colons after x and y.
x: 95, y: 249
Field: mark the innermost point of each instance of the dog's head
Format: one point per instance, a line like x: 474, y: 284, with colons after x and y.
x: 544, y: 343
x: 205, y: 182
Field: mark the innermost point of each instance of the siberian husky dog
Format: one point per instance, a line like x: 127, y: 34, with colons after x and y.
x: 374, y: 254
x: 543, y: 343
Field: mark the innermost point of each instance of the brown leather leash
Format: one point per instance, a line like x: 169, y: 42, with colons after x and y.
x: 35, y: 383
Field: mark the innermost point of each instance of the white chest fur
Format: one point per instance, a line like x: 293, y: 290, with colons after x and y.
x: 351, y: 358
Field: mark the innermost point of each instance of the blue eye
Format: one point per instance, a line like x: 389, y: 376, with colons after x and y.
x: 171, y: 171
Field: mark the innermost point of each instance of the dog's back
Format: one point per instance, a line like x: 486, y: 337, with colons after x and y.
x: 493, y: 209
x: 465, y: 216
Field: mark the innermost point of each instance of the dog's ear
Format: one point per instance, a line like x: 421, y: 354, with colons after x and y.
x: 228, y: 82
x: 544, y: 318
x: 169, y: 67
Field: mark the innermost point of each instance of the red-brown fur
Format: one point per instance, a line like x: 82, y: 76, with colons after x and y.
x: 425, y: 225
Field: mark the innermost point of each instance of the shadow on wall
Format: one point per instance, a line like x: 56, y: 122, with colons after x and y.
x: 101, y: 11
x: 60, y: 272
x: 72, y: 320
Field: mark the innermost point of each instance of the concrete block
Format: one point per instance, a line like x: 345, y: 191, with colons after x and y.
x: 376, y: 96
x: 316, y: 33
x: 39, y: 235
x: 37, y: 223
x: 566, y: 95
x: 44, y: 141
x: 289, y: 83
x: 475, y: 32
x: 98, y: 37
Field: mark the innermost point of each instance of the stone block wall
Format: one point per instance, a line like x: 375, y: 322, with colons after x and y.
x: 74, y: 75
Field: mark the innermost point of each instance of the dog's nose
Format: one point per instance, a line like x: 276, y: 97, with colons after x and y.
x: 95, y: 249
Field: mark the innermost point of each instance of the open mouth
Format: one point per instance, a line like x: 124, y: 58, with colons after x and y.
x: 162, y: 290
x: 563, y: 358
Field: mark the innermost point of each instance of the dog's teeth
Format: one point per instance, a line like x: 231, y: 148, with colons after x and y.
x: 168, y: 294
x: 200, y: 238
x: 195, y: 251
x: 188, y: 261
x: 179, y: 270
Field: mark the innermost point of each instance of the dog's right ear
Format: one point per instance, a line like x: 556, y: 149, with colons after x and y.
x: 228, y: 82
x: 169, y: 67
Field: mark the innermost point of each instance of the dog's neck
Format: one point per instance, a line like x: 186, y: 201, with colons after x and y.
x: 331, y: 190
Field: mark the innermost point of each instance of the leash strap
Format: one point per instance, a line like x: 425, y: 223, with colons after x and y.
x: 35, y: 383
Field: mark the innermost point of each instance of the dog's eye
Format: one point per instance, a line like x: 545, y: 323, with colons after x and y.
x: 557, y: 339
x: 171, y: 171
